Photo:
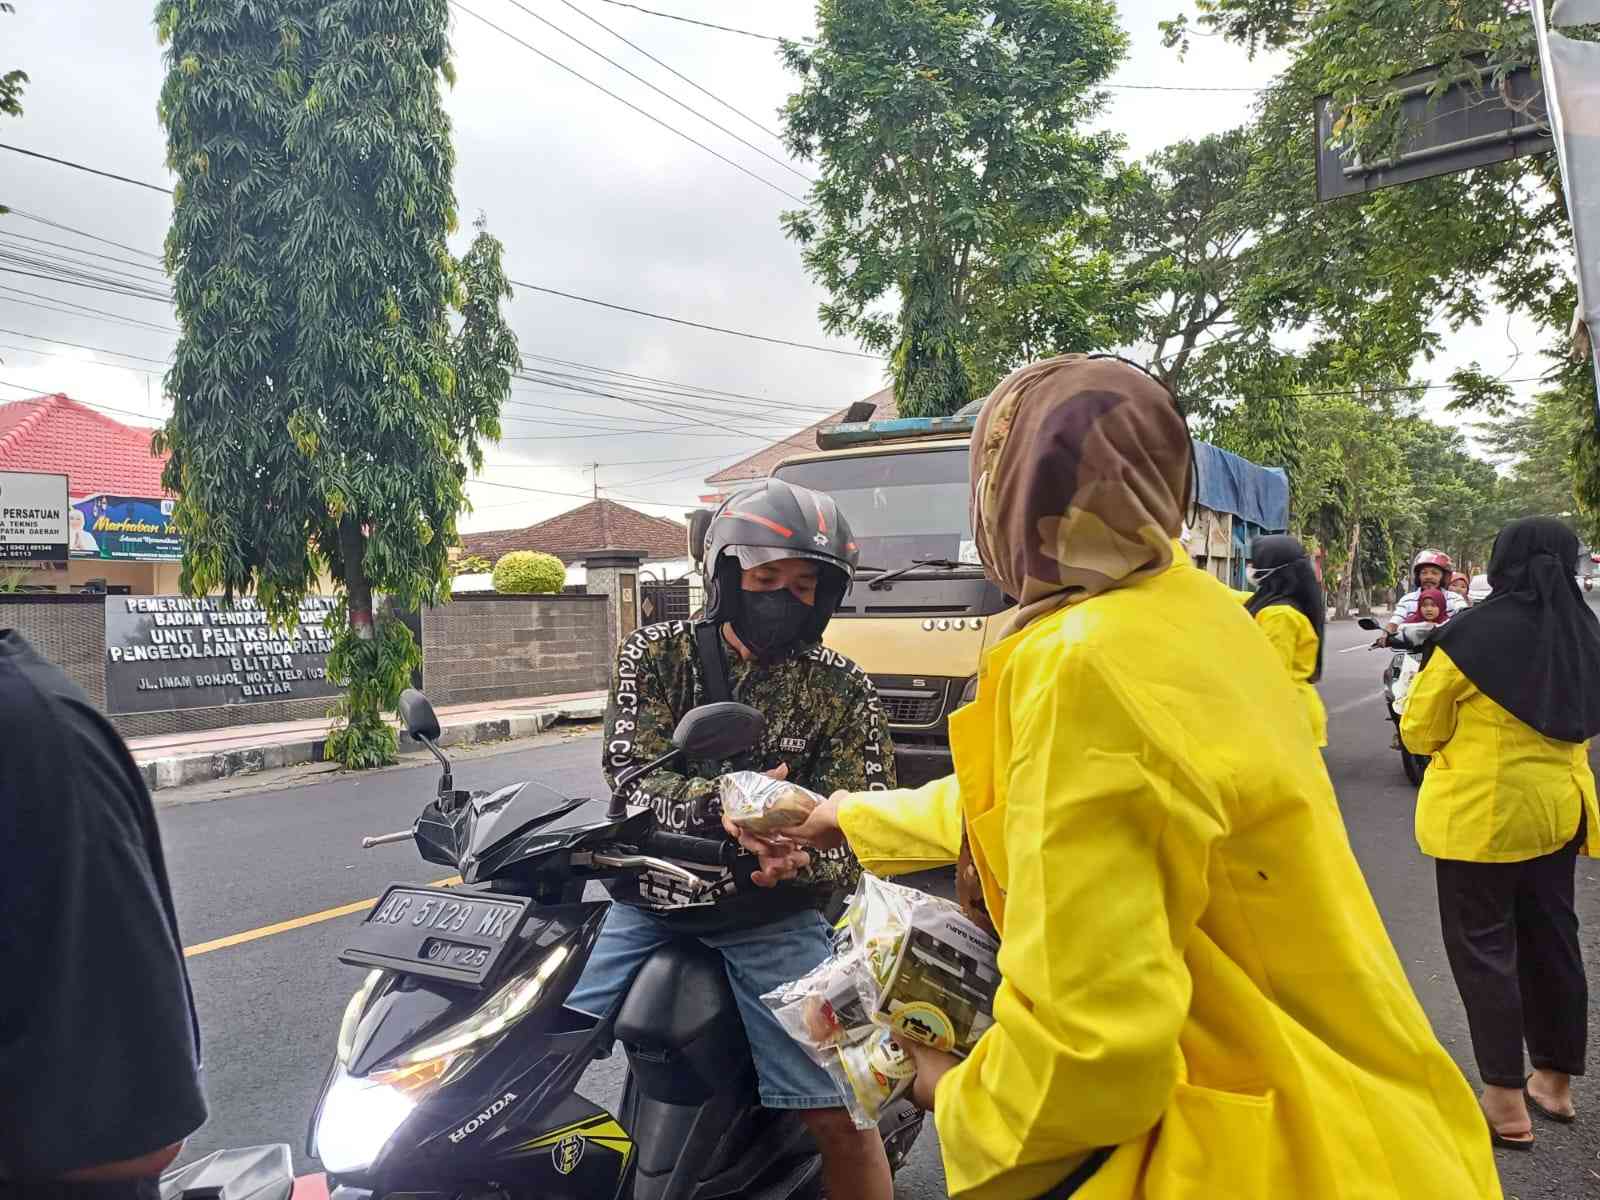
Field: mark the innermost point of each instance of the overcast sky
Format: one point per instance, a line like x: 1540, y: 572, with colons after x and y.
x: 589, y: 197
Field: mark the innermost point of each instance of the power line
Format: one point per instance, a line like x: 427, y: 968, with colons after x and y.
x: 517, y: 487
x: 582, y: 383
x: 93, y: 237
x: 94, y: 287
x: 664, y: 66
x: 772, y: 158
x: 567, y: 362
x: 768, y: 37
x: 61, y: 162
x: 79, y: 250
x: 105, y: 408
x: 765, y: 37
x: 639, y: 312
x: 84, y: 309
x: 78, y: 346
x: 649, y: 116
x: 59, y: 354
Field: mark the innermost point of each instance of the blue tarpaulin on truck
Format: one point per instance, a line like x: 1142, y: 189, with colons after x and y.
x: 1230, y: 484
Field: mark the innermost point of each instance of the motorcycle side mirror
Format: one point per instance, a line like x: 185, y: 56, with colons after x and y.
x: 421, y: 722
x: 417, y: 716
x: 1368, y: 623
x: 719, y: 730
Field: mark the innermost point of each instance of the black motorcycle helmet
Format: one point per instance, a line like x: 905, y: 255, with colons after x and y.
x: 775, y: 520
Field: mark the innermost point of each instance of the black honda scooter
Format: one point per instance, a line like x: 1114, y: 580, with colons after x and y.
x: 456, y: 1060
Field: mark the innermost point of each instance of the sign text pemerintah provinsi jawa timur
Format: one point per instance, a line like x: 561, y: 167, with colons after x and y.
x: 172, y: 652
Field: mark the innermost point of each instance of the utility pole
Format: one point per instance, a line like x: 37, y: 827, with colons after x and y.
x: 594, y: 469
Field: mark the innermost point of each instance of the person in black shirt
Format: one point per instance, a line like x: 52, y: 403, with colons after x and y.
x: 100, y: 1076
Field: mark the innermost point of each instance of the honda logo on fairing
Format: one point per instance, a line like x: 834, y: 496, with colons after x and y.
x: 483, y: 1118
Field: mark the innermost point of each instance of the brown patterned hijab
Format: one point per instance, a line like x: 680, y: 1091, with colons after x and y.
x: 1081, y: 471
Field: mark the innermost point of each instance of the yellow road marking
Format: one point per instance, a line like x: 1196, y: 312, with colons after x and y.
x: 327, y: 914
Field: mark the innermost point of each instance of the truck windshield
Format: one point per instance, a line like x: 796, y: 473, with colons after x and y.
x: 902, y: 505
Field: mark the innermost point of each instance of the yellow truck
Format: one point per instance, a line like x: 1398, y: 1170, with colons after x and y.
x: 921, y: 613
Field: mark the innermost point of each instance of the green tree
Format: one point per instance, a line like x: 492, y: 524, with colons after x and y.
x: 325, y: 415
x: 528, y: 572
x: 11, y: 83
x: 1182, y: 227
x: 957, y: 175
x: 1379, y: 278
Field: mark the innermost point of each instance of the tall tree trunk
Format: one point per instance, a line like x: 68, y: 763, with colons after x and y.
x: 353, y: 546
x: 1348, y: 583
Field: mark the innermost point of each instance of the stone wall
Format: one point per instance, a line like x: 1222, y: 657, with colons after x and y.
x: 499, y: 648
x: 507, y: 647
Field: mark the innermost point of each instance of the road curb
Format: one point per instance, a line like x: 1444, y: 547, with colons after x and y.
x: 177, y: 770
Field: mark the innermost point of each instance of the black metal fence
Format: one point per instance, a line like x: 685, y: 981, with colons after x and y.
x: 665, y: 602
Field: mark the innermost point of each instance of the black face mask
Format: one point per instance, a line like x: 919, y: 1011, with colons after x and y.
x: 769, y: 622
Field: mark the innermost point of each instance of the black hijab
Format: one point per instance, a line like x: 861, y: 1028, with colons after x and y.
x: 1534, y: 645
x: 1293, y: 582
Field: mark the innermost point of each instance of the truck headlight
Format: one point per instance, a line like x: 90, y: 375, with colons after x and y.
x: 970, y: 692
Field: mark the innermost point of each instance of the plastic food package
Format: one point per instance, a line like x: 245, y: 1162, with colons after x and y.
x: 919, y: 970
x: 930, y: 973
x: 872, y: 1074
x: 824, y: 1009
x: 762, y: 804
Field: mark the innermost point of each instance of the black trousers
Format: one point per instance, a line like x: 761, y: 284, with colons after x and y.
x: 1511, y: 933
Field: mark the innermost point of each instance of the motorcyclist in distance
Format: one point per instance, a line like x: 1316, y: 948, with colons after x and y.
x: 1430, y: 569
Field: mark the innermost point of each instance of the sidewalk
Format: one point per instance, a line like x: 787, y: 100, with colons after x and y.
x: 171, y: 760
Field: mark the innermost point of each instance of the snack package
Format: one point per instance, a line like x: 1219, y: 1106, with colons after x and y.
x: 872, y: 1073
x: 939, y: 989
x: 920, y: 971
x: 762, y: 804
x: 824, y: 1010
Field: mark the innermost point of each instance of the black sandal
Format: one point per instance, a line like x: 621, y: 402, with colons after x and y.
x: 1547, y: 1113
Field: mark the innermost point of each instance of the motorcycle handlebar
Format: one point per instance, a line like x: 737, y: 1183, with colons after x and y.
x: 704, y: 852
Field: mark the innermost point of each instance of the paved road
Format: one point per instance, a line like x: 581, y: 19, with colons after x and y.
x: 269, y: 1007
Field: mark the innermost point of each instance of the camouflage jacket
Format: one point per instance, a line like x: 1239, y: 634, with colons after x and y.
x: 824, y: 721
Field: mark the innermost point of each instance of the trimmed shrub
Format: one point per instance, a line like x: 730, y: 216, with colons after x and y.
x: 528, y: 572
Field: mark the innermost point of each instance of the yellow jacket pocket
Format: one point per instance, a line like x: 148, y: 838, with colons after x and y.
x: 1212, y: 1144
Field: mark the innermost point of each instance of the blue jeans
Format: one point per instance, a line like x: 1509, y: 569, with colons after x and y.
x: 756, y: 960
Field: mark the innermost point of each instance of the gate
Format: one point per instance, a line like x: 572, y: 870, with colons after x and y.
x: 665, y: 602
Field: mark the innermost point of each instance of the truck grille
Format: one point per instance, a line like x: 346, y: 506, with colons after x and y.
x: 911, y: 708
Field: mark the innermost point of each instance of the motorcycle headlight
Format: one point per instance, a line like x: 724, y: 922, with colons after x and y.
x: 492, y: 1018
x: 352, y: 1016
x: 360, y: 1115
x: 357, y: 1118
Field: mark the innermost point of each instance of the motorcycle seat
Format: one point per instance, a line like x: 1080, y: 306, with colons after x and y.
x: 679, y: 995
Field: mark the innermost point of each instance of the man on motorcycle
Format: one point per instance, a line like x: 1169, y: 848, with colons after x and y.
x: 778, y: 561
x: 1430, y: 569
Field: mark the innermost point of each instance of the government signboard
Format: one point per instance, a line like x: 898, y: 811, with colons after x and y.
x: 33, y: 517
x: 171, y: 652
x: 126, y: 528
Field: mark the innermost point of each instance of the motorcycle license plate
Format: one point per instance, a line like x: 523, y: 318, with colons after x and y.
x: 439, y: 933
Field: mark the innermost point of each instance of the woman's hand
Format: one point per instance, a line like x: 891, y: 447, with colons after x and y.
x: 931, y: 1067
x: 821, y: 828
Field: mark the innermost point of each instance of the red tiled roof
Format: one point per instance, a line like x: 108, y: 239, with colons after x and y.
x: 759, y: 465
x: 97, y: 454
x: 598, y: 525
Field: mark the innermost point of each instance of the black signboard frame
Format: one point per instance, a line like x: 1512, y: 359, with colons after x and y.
x: 1472, y: 123
x: 171, y: 653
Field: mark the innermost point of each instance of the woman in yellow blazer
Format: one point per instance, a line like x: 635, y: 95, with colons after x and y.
x: 1289, y: 606
x: 1506, y: 704
x: 1198, y: 998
